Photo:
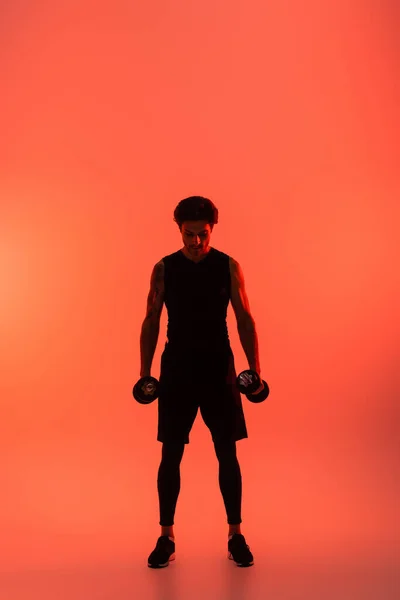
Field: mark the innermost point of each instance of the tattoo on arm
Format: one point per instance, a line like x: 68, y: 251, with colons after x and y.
x: 156, y: 294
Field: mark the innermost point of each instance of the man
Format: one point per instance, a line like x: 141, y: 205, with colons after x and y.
x: 196, y: 284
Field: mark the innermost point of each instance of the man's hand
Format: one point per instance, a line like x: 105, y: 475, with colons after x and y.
x: 260, y: 389
x: 255, y: 370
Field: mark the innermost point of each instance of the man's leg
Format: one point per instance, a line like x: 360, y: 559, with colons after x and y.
x: 168, y: 484
x: 230, y: 482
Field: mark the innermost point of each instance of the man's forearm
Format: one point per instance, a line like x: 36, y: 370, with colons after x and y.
x: 249, y: 341
x: 148, y: 344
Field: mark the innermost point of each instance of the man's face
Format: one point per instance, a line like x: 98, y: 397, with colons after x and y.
x: 196, y: 236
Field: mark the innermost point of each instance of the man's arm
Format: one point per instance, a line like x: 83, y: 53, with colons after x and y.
x: 245, y: 322
x: 151, y: 323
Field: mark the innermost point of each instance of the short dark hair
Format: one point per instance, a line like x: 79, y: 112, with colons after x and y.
x: 196, y: 208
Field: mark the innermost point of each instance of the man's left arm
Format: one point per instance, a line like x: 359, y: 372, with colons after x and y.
x: 245, y: 322
x: 249, y: 340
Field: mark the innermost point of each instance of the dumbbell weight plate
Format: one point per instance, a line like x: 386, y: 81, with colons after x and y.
x: 146, y: 390
x: 261, y: 396
x: 248, y: 382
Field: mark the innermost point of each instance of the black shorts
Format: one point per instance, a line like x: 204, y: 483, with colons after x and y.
x: 189, y: 381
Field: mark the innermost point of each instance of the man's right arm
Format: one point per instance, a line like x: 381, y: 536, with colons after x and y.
x: 151, y: 323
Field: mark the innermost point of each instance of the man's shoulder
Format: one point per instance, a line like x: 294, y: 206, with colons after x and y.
x: 233, y: 264
x: 221, y: 254
x: 216, y: 252
x: 171, y: 256
x: 168, y: 259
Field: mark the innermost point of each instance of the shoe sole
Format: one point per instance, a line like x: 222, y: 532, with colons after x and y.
x: 249, y: 564
x: 163, y: 565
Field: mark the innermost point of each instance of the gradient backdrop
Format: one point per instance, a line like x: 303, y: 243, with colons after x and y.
x: 285, y: 114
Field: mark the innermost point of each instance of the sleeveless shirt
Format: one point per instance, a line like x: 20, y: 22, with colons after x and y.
x: 196, y: 296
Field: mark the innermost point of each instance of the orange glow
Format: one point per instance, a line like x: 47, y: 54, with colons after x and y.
x: 284, y: 114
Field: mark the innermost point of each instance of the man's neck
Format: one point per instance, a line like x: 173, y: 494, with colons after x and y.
x: 195, y: 259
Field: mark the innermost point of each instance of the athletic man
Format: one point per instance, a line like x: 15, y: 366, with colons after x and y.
x: 196, y: 284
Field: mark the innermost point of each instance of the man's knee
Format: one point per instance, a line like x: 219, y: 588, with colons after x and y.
x: 172, y: 451
x: 225, y: 450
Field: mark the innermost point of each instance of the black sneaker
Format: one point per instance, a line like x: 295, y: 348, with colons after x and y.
x: 239, y: 552
x: 162, y: 553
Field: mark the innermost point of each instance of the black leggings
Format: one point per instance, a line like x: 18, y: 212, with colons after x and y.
x: 169, y: 480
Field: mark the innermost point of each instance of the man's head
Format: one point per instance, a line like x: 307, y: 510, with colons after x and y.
x: 196, y: 217
x: 196, y: 237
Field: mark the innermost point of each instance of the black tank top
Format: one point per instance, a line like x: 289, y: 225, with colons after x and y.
x: 197, y: 296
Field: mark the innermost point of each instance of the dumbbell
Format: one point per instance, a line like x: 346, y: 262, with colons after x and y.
x: 146, y: 390
x: 248, y: 382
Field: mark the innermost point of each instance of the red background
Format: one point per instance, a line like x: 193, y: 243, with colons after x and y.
x: 285, y: 114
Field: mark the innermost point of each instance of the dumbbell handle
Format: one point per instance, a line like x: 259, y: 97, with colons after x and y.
x: 248, y: 381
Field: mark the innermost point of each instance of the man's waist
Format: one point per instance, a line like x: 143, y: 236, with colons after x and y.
x: 209, y: 346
